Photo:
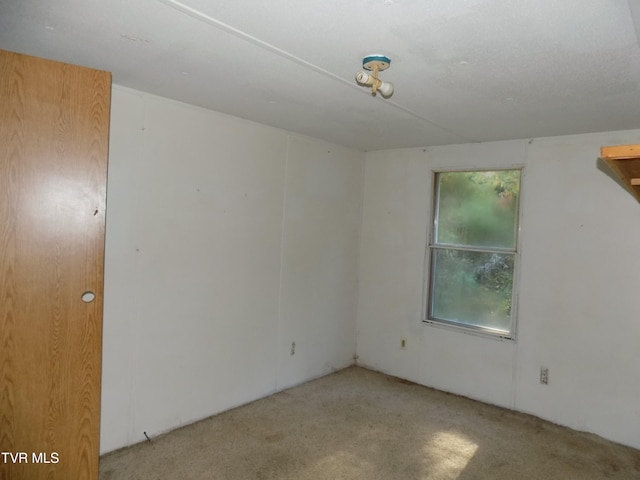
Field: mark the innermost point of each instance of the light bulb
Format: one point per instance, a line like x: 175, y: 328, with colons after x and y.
x: 367, y: 80
x: 363, y: 78
x: 385, y: 89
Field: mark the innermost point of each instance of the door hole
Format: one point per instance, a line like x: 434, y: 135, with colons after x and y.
x: 88, y: 297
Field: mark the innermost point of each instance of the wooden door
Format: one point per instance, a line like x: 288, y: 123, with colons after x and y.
x: 54, y: 121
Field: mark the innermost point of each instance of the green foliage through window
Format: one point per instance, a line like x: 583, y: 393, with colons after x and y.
x: 474, y: 249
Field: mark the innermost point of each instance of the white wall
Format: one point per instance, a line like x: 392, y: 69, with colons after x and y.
x: 578, y: 285
x: 226, y: 241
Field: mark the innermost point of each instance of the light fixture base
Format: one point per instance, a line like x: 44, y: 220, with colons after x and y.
x: 371, y: 62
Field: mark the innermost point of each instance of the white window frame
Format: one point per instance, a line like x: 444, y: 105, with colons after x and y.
x: 431, y: 245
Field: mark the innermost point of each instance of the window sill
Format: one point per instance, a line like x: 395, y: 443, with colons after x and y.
x: 475, y: 332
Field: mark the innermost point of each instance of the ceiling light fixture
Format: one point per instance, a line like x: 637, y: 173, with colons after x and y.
x: 375, y: 64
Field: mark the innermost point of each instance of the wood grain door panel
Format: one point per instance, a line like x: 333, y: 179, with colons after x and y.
x: 54, y: 121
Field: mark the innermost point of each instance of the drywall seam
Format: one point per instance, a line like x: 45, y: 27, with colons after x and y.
x: 363, y: 179
x: 282, y: 246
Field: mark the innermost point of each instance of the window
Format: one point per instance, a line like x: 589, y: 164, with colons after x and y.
x: 473, y: 250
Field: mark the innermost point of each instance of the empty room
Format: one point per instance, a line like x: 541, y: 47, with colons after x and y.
x: 370, y: 239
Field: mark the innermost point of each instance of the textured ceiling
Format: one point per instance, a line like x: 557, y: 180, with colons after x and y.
x: 463, y: 70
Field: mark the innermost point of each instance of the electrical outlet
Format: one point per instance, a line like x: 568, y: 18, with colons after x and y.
x: 544, y: 375
x: 403, y: 343
x: 293, y: 348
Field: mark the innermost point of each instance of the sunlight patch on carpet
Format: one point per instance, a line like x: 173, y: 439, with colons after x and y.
x: 448, y: 453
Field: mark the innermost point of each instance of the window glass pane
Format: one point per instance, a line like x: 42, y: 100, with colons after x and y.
x: 478, y: 208
x: 472, y: 288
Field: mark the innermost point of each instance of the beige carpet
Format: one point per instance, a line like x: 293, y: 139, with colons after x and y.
x: 359, y: 424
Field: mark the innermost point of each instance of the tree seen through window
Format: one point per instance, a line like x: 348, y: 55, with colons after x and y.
x: 473, y: 252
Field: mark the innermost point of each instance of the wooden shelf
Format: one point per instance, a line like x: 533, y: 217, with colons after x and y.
x: 624, y: 160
